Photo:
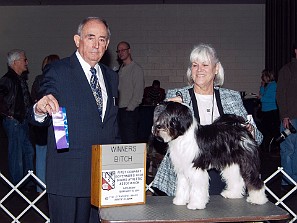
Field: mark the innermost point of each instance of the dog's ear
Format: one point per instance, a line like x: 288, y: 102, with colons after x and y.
x: 174, y: 123
x: 185, y: 116
x: 180, y: 118
x: 159, y: 109
x: 178, y: 126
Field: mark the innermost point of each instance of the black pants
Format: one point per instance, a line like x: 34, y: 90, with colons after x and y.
x: 72, y: 210
x: 128, y: 123
x: 270, y: 125
x: 216, y: 184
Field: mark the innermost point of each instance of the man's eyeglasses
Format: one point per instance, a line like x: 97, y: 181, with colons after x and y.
x: 123, y: 50
x: 23, y: 59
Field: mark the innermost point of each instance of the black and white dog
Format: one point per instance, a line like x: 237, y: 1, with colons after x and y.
x: 225, y: 145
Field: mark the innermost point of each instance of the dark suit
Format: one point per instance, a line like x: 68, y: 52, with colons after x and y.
x: 69, y: 171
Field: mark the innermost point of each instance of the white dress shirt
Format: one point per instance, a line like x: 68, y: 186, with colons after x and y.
x: 86, y: 68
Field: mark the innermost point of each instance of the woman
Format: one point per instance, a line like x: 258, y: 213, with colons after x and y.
x: 208, y: 101
x: 270, y: 115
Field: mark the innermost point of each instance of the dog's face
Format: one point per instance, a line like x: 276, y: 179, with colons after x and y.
x: 171, y: 120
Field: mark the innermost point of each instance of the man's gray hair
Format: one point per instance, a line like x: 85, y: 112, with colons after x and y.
x: 205, y: 52
x: 14, y: 55
x: 86, y: 20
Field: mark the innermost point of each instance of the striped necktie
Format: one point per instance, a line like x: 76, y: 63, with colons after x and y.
x: 94, y: 82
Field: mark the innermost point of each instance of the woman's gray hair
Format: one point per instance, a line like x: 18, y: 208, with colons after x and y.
x: 205, y: 52
x: 14, y: 55
x: 86, y: 20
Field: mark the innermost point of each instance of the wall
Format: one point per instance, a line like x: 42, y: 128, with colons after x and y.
x: 161, y: 37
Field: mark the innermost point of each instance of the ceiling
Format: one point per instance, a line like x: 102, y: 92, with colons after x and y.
x: 123, y: 2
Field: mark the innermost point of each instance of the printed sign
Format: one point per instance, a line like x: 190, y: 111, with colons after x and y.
x: 118, y: 174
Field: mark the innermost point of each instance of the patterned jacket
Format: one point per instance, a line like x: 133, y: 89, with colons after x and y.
x: 228, y: 102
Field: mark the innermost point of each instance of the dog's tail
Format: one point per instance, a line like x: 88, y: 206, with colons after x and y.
x: 230, y: 119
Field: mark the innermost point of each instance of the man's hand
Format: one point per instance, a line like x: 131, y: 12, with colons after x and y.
x: 47, y: 104
x: 286, y: 122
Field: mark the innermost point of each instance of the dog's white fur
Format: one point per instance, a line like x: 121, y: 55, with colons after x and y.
x: 193, y: 182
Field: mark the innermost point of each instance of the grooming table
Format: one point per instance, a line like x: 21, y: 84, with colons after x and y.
x: 160, y: 209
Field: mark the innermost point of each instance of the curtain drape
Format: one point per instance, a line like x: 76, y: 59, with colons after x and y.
x: 280, y: 32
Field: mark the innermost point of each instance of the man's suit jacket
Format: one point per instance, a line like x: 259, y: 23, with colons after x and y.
x: 69, y: 171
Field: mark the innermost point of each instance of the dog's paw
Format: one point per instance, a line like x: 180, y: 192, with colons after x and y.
x: 179, y: 201
x: 257, y: 197
x: 231, y: 194
x: 259, y: 201
x: 196, y: 205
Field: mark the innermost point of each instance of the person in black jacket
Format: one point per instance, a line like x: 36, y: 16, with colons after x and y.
x: 14, y: 104
x: 68, y: 83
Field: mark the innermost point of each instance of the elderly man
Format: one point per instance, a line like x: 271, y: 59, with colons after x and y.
x: 14, y: 104
x: 88, y: 91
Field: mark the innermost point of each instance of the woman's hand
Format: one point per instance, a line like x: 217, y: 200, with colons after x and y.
x: 176, y: 99
x: 251, y: 129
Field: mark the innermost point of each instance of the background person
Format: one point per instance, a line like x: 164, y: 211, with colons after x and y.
x: 131, y: 84
x: 208, y: 100
x: 14, y: 104
x: 154, y: 94
x: 40, y: 132
x: 270, y: 115
x: 287, y: 103
x: 69, y: 83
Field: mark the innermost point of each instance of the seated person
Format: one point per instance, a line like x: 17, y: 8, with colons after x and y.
x: 153, y: 94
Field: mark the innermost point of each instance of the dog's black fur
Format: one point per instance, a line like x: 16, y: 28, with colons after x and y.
x: 225, y: 142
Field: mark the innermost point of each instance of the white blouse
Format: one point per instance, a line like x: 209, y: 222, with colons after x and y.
x: 207, y: 107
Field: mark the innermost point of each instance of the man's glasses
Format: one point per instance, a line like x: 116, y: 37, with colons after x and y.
x: 23, y: 59
x: 123, y: 50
